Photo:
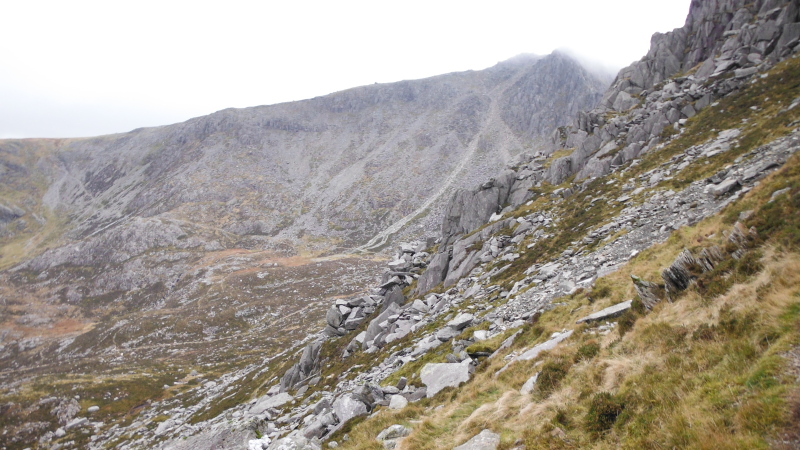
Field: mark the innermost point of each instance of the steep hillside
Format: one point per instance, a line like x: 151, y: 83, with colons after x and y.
x: 206, y: 245
x: 329, y: 171
x: 637, y: 288
x: 634, y: 286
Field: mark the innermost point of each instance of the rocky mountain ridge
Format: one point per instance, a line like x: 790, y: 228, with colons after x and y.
x: 170, y: 247
x: 649, y: 110
x: 140, y: 221
x: 436, y: 353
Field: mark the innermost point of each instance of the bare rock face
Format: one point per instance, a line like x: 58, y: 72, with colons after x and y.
x: 304, y: 369
x: 435, y: 273
x: 470, y: 209
x: 318, y: 167
x: 680, y: 273
x: 649, y: 293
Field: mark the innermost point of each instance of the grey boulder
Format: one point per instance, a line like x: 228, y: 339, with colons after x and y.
x: 266, y: 402
x: 397, y: 402
x: 461, y: 321
x: 349, y: 406
x: 485, y: 440
x: 293, y: 442
x: 437, y: 376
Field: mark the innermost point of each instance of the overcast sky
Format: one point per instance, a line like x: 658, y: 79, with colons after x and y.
x: 83, y: 68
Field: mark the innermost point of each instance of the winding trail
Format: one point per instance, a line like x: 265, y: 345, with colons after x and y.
x: 492, y: 122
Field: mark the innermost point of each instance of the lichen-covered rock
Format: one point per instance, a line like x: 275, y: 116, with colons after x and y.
x: 470, y: 209
x: 304, y: 369
x: 435, y: 273
x: 649, y: 293
x: 293, y: 442
x: 334, y: 317
x: 391, y: 435
x: 267, y: 402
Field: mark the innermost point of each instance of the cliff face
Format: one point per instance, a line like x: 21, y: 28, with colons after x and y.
x: 720, y: 39
x: 721, y: 45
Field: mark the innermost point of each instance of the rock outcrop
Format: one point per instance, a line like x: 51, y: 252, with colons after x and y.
x: 307, y: 367
x: 667, y: 86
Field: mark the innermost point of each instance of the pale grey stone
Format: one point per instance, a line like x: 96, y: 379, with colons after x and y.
x: 485, y: 440
x: 267, y: 402
x: 397, y: 402
x: 348, y: 406
x: 607, y: 313
x: 527, y: 388
x: 461, y: 321
x: 725, y: 187
x: 437, y: 376
x: 548, y: 345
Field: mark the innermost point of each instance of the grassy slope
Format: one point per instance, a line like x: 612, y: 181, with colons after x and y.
x: 715, y: 369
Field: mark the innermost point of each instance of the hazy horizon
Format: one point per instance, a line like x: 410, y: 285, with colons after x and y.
x: 91, y: 68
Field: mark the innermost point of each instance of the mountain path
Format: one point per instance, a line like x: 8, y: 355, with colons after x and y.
x: 492, y: 122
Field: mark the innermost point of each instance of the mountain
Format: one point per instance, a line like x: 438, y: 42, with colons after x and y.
x: 627, y: 280
x: 169, y: 247
x: 314, y: 170
x: 636, y: 288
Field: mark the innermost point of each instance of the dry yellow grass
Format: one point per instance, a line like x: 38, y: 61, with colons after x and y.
x: 495, y: 403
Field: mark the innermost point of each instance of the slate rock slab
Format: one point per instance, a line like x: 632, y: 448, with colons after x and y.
x: 549, y: 345
x: 267, y: 402
x: 607, y: 313
x: 461, y: 321
x: 437, y: 376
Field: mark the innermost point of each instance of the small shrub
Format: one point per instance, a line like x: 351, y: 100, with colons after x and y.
x: 718, y: 281
x: 603, y: 412
x: 587, y: 351
x: 553, y: 371
x: 562, y: 419
x: 749, y: 264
